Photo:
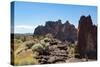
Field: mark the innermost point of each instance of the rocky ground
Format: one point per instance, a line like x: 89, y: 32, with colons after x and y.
x: 45, y: 50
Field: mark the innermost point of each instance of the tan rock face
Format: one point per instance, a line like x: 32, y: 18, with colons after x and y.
x: 87, y: 37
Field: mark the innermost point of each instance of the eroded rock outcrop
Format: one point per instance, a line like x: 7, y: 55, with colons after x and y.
x: 87, y: 38
x: 60, y: 31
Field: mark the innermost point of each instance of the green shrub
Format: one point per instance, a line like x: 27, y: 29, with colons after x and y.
x: 29, y: 44
x: 37, y: 47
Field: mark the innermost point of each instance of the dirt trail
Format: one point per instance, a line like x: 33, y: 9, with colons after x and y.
x: 77, y: 60
x: 74, y: 60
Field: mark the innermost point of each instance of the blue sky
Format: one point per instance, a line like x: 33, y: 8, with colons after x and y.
x: 28, y: 15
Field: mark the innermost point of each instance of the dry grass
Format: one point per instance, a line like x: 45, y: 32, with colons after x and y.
x: 25, y: 57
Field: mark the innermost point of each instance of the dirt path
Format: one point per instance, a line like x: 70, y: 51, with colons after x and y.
x: 75, y: 60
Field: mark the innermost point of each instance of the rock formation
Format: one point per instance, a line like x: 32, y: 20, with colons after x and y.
x: 54, y: 53
x: 87, y: 38
x: 60, y: 31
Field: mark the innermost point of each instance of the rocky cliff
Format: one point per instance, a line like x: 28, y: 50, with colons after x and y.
x: 87, y: 37
x: 60, y: 31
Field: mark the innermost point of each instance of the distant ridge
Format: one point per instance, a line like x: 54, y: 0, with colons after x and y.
x: 65, y: 31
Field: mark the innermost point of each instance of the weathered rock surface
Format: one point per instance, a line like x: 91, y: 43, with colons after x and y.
x: 87, y: 37
x: 54, y: 53
x: 60, y: 31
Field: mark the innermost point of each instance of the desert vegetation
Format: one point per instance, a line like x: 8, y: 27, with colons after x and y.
x: 40, y: 50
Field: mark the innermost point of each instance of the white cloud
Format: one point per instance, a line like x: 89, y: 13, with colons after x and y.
x: 24, y: 27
